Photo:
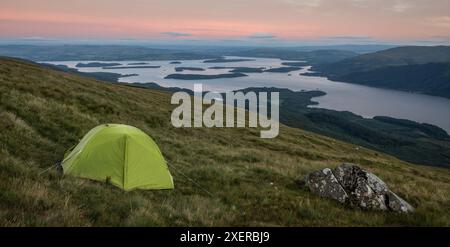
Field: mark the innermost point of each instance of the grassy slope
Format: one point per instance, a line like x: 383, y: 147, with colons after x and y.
x: 43, y: 112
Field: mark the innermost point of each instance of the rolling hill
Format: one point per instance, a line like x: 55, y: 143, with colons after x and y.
x: 43, y: 112
x: 400, y: 56
x: 430, y: 78
x: 412, y: 68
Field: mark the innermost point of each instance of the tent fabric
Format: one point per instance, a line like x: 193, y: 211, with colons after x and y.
x: 121, y: 154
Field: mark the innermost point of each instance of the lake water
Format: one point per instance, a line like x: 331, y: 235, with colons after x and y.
x: 365, y: 101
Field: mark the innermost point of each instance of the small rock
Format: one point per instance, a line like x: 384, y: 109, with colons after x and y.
x: 366, y: 190
x: 365, y: 197
x: 325, y: 184
x: 376, y: 183
x: 399, y: 205
x: 347, y: 175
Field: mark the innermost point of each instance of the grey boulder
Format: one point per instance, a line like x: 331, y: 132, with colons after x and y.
x: 352, y: 185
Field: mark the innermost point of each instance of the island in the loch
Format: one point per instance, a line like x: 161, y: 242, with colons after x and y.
x: 285, y: 69
x: 228, y: 60
x: 181, y: 69
x: 312, y: 74
x: 241, y: 69
x: 294, y: 64
x: 175, y: 62
x: 282, y: 69
x: 134, y: 67
x: 139, y: 63
x: 96, y: 65
x: 203, y: 77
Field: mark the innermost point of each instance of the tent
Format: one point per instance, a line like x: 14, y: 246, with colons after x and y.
x: 120, y: 154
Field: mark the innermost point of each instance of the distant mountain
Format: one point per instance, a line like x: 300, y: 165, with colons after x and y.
x: 223, y: 50
x: 361, y: 49
x: 412, y: 68
x: 96, y: 53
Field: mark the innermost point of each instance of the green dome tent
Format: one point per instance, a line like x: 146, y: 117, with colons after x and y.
x: 123, y: 155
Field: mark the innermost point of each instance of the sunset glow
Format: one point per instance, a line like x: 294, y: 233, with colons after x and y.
x: 389, y: 20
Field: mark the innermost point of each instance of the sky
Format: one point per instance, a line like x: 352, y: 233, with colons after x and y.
x: 251, y: 21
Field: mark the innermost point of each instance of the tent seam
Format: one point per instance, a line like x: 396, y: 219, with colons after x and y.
x: 125, y: 163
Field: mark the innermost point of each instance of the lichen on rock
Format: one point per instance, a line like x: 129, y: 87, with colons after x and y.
x: 352, y: 185
x: 325, y: 184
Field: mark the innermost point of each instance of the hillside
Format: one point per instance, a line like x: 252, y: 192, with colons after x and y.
x: 407, y: 140
x: 412, y: 68
x: 407, y: 55
x: 44, y: 112
x: 430, y: 78
x: 418, y: 143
